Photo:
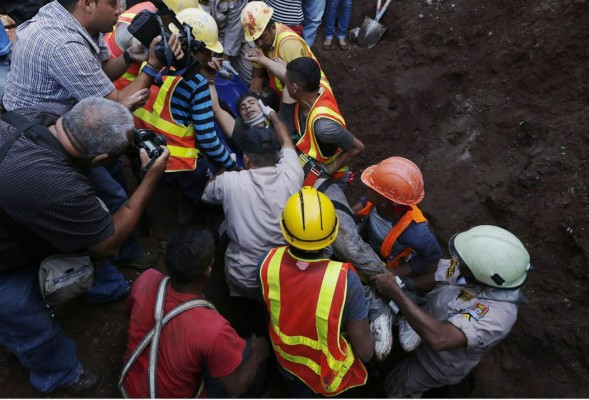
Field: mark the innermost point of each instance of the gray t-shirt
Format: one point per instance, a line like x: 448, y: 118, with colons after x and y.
x: 330, y: 135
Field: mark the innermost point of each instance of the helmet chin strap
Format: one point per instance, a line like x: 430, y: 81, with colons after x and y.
x: 257, y: 120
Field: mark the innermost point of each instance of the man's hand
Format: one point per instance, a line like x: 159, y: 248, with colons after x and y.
x: 387, y: 284
x: 255, y: 55
x: 136, y: 100
x: 175, y: 46
x: 154, y: 168
x: 210, y: 69
x: 266, y: 110
x: 137, y: 51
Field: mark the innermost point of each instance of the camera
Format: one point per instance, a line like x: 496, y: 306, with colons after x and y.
x: 146, y: 25
x: 149, y: 141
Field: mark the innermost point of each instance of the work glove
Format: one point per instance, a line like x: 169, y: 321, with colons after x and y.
x: 265, y: 109
x: 227, y: 65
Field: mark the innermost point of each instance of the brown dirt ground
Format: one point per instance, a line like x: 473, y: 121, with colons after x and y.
x: 490, y: 99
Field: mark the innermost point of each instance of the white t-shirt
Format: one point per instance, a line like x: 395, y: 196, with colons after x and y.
x: 253, y: 200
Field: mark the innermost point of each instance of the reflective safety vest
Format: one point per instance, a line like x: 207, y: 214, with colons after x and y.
x: 412, y: 214
x: 116, y: 49
x: 284, y: 33
x: 305, y: 330
x: 157, y: 116
x: 324, y: 107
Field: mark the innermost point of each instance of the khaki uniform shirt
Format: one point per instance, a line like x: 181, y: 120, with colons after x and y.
x: 484, y: 323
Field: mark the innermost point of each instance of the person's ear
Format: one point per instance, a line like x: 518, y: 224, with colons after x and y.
x: 208, y: 271
x: 246, y: 160
x: 100, y: 159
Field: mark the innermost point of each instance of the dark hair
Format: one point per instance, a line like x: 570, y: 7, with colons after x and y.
x: 305, y: 72
x: 270, y: 24
x: 69, y: 5
x: 263, y: 160
x: 188, y: 254
x: 244, y: 96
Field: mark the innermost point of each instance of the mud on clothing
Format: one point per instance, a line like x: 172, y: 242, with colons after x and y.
x: 484, y: 322
x: 196, y: 341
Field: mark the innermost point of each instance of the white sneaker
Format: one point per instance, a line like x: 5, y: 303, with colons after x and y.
x: 382, y: 331
x: 408, y: 338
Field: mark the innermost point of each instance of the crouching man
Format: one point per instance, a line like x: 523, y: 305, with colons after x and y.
x: 179, y: 345
x: 472, y: 308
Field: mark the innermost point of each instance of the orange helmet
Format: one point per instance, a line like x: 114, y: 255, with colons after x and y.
x: 396, y: 178
x: 254, y: 18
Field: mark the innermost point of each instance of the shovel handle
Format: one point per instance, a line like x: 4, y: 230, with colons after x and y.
x: 382, y: 10
x: 378, y: 4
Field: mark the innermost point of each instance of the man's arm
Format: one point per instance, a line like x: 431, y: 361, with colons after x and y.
x: 440, y: 335
x: 345, y: 157
x: 361, y: 339
x: 257, y: 83
x: 125, y: 218
x: 237, y: 382
x: 275, y: 66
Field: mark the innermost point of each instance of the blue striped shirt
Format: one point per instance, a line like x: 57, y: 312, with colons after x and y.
x: 191, y: 103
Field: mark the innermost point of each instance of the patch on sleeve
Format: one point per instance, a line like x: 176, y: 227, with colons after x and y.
x: 476, y: 311
x: 465, y: 296
x: 452, y: 268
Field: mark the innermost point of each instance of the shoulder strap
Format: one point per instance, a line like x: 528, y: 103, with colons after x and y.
x: 35, y: 131
x: 336, y: 204
x: 149, y: 338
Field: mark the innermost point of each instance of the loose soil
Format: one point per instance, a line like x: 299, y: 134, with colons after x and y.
x: 490, y: 99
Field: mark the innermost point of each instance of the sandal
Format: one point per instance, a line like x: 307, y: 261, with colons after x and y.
x: 327, y: 45
x: 343, y: 45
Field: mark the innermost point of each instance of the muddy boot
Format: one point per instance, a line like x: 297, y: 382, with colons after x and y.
x: 381, y: 323
x: 408, y: 338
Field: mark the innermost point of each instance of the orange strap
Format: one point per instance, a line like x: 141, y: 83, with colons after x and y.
x: 413, y: 214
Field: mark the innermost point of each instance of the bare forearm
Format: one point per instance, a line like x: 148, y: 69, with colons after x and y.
x: 115, y: 67
x: 281, y: 131
x: 142, y: 81
x: 243, y: 376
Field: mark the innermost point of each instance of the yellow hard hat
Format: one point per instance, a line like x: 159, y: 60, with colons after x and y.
x: 254, y: 18
x: 309, y: 221
x: 203, y: 27
x: 179, y: 5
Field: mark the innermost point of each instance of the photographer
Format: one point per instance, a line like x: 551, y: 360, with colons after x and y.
x: 47, y: 206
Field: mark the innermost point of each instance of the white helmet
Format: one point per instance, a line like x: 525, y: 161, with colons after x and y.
x: 203, y: 27
x: 495, y: 256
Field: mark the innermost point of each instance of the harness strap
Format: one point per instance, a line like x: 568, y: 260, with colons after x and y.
x: 149, y: 338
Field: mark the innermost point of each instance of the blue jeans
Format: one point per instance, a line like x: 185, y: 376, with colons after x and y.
x: 109, y: 185
x: 340, y: 10
x: 313, y: 12
x: 27, y: 329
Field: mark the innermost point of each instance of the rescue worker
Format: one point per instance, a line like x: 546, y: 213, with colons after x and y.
x: 394, y: 226
x: 472, y: 308
x: 312, y: 114
x: 306, y: 330
x: 276, y: 40
x: 181, y: 110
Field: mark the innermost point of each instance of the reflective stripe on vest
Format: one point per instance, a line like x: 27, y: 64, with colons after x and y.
x: 325, y: 106
x: 326, y: 364
x: 284, y: 33
x: 116, y: 49
x: 414, y: 214
x: 157, y: 116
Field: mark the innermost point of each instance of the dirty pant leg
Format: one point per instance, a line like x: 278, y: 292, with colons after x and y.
x: 409, y: 380
x: 27, y: 329
x: 313, y: 12
x: 109, y: 188
x: 109, y: 284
